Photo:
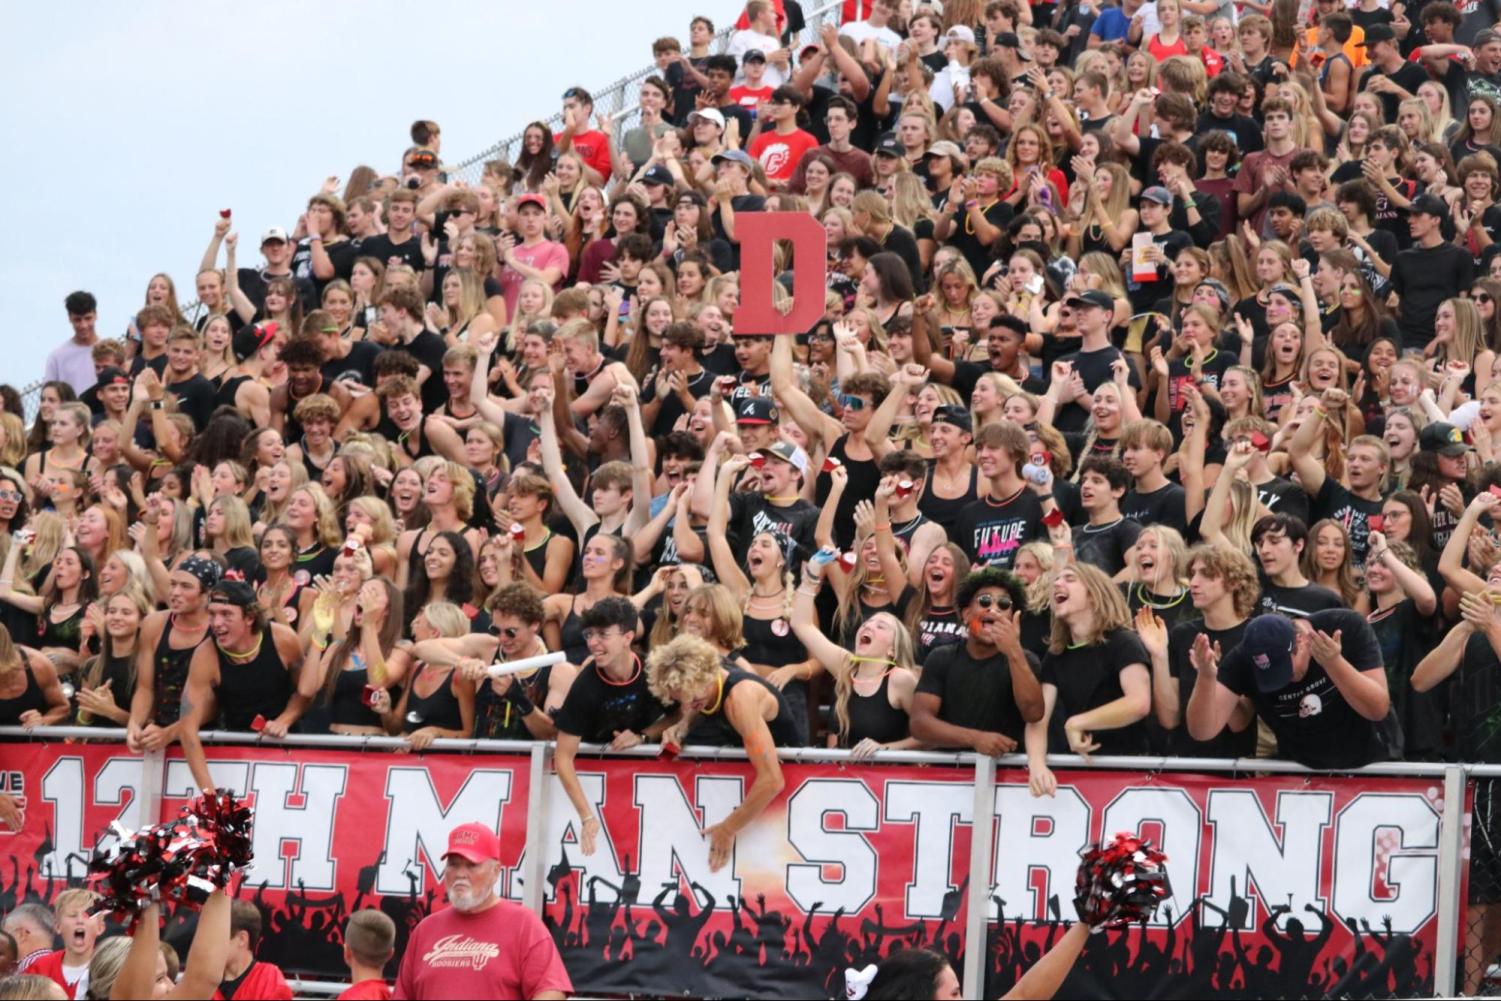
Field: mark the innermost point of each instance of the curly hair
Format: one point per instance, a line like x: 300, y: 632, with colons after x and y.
x: 1233, y: 567
x: 684, y: 664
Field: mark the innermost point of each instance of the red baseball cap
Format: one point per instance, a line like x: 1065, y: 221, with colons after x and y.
x: 532, y: 199
x: 474, y: 842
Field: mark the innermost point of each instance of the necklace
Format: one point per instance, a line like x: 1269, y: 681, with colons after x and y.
x: 777, y: 592
x: 241, y: 657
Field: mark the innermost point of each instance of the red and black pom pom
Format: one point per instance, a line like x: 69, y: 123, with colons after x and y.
x: 179, y: 862
x: 1120, y: 882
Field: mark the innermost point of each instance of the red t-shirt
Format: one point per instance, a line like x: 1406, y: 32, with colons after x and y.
x: 503, y: 951
x: 51, y: 967
x: 262, y: 982
x: 593, y: 148
x: 749, y: 97
x: 779, y: 155
x: 367, y: 990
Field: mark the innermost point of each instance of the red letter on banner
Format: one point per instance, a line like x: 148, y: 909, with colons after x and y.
x: 759, y: 232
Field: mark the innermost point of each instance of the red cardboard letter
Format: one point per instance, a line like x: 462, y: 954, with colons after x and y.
x: 759, y: 232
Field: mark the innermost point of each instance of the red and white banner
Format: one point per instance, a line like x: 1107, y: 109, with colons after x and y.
x: 1282, y: 885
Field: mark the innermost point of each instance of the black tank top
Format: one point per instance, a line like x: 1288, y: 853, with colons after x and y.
x: 440, y: 709
x: 170, y: 676
x: 228, y: 390
x: 257, y: 687
x: 537, y: 555
x: 347, y: 706
x: 770, y: 644
x: 313, y: 562
x: 67, y: 633
x: 945, y: 510
x: 864, y: 477
x: 715, y: 730
x: 907, y: 529
x: 31, y: 698
x: 314, y: 471
x: 575, y: 648
x: 873, y: 717
x: 496, y: 718
x: 388, y: 430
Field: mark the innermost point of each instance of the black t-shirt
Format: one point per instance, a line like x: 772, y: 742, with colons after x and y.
x: 975, y: 693
x: 1283, y: 496
x: 253, y: 283
x: 903, y: 244
x: 1094, y: 369
x: 358, y: 366
x: 1334, y: 501
x: 991, y: 532
x: 1405, y: 638
x: 963, y: 239
x: 751, y: 513
x: 1424, y: 277
x: 341, y: 255
x: 429, y: 349
x: 381, y: 248
x: 1226, y: 743
x: 1163, y: 506
x: 195, y: 397
x: 740, y: 203
x: 672, y: 408
x: 1088, y: 677
x: 597, y: 708
x: 1105, y: 546
x: 1314, y: 724
x: 1242, y: 128
x: 1295, y: 602
x: 1409, y: 76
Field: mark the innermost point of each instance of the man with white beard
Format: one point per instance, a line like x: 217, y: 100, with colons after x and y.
x: 481, y: 946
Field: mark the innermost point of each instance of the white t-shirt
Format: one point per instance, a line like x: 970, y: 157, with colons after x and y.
x: 72, y: 363
x: 1149, y: 24
x: 742, y: 42
x: 78, y: 979
x: 859, y: 31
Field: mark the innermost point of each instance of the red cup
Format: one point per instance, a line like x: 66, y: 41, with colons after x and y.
x: 727, y: 384
x: 1053, y: 518
x: 368, y: 696
x: 1495, y: 491
x: 1261, y: 442
x: 670, y: 750
x: 830, y: 464
x: 1376, y: 523
x: 224, y: 213
x: 259, y: 723
x: 847, y: 561
x: 518, y: 531
x: 757, y: 460
x: 904, y: 488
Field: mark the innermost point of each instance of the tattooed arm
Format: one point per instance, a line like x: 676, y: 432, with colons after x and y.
x: 197, y: 708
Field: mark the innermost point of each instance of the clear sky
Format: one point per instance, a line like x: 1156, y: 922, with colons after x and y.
x: 131, y: 125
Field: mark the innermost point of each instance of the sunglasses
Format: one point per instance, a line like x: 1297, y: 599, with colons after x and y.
x: 509, y: 632
x: 851, y: 402
x: 10, y: 495
x: 1481, y: 297
x: 593, y: 634
x: 999, y: 601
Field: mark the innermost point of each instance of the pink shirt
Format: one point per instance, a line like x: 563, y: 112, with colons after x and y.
x: 541, y: 256
x: 503, y: 951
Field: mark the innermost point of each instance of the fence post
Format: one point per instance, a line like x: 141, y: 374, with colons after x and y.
x: 536, y: 826
x: 981, y: 844
x: 1450, y: 879
x: 153, y: 780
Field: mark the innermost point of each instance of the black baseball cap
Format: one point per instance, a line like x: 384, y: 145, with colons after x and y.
x: 1443, y: 438
x: 753, y: 56
x: 1429, y: 205
x: 1379, y: 33
x: 657, y: 174
x: 1268, y: 643
x: 887, y: 145
x: 956, y: 415
x: 112, y: 376
x: 1098, y: 298
x: 756, y: 410
x: 1010, y: 40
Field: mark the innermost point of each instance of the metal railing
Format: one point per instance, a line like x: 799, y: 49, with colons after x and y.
x: 620, y: 100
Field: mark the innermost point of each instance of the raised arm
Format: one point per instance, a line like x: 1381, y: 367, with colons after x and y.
x: 1308, y: 465
x: 580, y: 514
x: 831, y: 655
x: 793, y: 399
x: 725, y: 563
x: 641, y: 463
x: 1451, y: 564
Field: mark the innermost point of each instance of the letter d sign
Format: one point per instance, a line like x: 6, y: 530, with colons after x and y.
x: 759, y: 232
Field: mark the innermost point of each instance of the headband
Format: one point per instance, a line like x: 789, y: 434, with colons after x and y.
x: 207, y: 572
x: 233, y: 592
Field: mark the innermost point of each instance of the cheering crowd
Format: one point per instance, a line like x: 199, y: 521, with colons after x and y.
x: 1154, y: 409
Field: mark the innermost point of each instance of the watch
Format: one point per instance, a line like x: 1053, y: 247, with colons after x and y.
x: 158, y: 404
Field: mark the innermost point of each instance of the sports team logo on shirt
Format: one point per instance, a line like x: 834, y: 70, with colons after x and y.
x: 460, y: 951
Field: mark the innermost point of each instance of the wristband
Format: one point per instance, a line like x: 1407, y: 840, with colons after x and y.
x: 1321, y: 413
x: 883, y: 528
x: 158, y: 404
x: 519, y: 699
x: 973, y: 202
x: 314, y: 238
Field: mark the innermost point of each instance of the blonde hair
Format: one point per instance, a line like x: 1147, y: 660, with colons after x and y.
x: 13, y: 451
x: 447, y: 618
x: 1170, y: 541
x: 903, y: 654
x: 326, y: 528
x: 1039, y: 592
x: 717, y: 604
x: 1105, y: 602
x: 684, y: 664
